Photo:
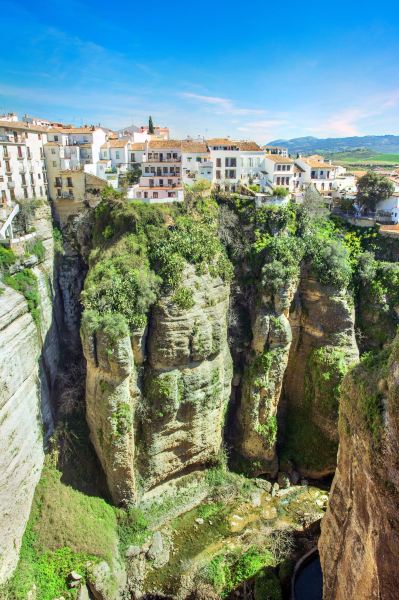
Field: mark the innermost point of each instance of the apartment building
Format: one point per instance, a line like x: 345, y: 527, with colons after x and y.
x: 22, y: 167
x: 234, y: 162
x: 161, y: 175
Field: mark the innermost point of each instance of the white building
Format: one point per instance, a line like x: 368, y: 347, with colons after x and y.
x: 196, y: 162
x: 278, y: 172
x: 276, y: 150
x: 318, y: 172
x: 161, y: 175
x: 234, y: 162
x: 22, y: 167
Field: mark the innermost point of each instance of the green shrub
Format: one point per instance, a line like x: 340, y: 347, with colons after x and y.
x: 7, y: 258
x: 26, y: 282
x: 37, y: 248
x: 183, y: 298
x: 267, y: 586
x: 268, y: 430
x: 58, y: 241
x: 133, y: 527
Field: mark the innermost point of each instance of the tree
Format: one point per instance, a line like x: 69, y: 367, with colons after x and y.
x: 314, y: 203
x: 150, y: 126
x: 372, y: 189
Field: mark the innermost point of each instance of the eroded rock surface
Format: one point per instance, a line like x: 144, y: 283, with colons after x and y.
x: 359, y: 544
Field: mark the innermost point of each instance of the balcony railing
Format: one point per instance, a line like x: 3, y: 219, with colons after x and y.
x: 161, y: 160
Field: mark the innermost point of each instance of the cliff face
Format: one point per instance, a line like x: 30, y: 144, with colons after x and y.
x: 156, y: 399
x: 28, y: 362
x: 359, y: 543
x: 263, y: 378
x: 323, y: 346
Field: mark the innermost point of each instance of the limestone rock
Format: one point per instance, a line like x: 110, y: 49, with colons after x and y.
x: 359, y: 542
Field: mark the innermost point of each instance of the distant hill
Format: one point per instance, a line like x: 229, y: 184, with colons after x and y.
x: 129, y: 129
x: 386, y: 144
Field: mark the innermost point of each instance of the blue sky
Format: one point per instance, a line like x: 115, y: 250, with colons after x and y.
x: 257, y: 70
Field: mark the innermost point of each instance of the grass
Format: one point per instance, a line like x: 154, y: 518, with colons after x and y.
x: 25, y: 281
x: 66, y: 530
x: 364, y: 157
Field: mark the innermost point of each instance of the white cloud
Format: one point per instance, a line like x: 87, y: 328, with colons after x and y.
x: 223, y: 105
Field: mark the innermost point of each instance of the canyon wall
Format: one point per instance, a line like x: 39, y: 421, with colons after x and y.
x: 359, y: 543
x: 28, y: 364
x: 156, y: 399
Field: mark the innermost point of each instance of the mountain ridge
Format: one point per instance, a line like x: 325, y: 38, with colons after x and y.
x: 378, y: 143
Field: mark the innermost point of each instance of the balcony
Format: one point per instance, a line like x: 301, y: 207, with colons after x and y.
x: 161, y: 160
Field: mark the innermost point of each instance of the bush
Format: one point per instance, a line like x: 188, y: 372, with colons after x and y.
x: 37, y: 248
x: 133, y: 528
x: 26, y: 282
x: 58, y: 241
x: 183, y: 298
x: 267, y: 586
x: 7, y: 258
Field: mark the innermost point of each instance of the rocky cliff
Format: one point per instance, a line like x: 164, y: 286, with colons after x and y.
x: 322, y: 321
x: 28, y: 363
x: 170, y: 421
x: 359, y: 541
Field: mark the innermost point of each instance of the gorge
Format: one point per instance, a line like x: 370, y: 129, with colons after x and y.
x: 176, y: 381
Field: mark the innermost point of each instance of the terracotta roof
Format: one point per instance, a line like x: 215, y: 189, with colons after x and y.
x: 194, y: 146
x: 137, y: 146
x: 118, y: 143
x: 298, y: 169
x: 277, y: 158
x: 249, y: 146
x: 21, y: 125
x: 164, y: 144
x: 73, y: 129
x: 221, y: 142
x: 315, y: 164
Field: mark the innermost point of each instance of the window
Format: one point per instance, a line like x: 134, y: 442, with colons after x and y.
x: 161, y: 183
x: 28, y: 152
x: 171, y: 194
x: 8, y: 168
x: 198, y: 159
x: 155, y: 195
x: 3, y: 197
x: 287, y: 181
x: 58, y: 182
x: 40, y: 136
x: 218, y: 175
x: 278, y: 167
x: 117, y: 154
x: 59, y: 192
x: 32, y: 179
x: 132, y: 158
x: 165, y: 170
x: 52, y: 150
x: 313, y: 175
x: 39, y: 176
x: 147, y: 170
x: 12, y: 194
x: 54, y: 163
x: 145, y: 194
x: 23, y: 179
x: 278, y: 180
x: 219, y: 163
x: 5, y: 151
x: 41, y: 191
x: 230, y: 174
x: 56, y: 138
x: 231, y: 162
x: 70, y: 183
x: 20, y: 152
x: 25, y: 193
x: 189, y: 158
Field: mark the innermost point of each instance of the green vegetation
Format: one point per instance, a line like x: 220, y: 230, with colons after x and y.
x: 183, y: 298
x: 362, y: 157
x: 326, y: 368
x: 37, y: 248
x: 373, y: 188
x: 150, y: 126
x: 25, y: 281
x: 268, y: 430
x: 267, y: 585
x: 226, y: 572
x: 141, y: 250
x: 132, y: 527
x: 58, y: 241
x: 7, y: 258
x: 67, y: 531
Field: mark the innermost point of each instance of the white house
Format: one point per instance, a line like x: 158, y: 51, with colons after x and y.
x: 196, y: 163
x: 318, y: 172
x: 389, y: 207
x: 278, y: 172
x: 22, y: 168
x: 234, y: 162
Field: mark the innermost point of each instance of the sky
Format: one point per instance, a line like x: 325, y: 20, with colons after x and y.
x: 258, y: 70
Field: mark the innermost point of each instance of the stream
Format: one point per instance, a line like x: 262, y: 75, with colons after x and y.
x: 309, y: 580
